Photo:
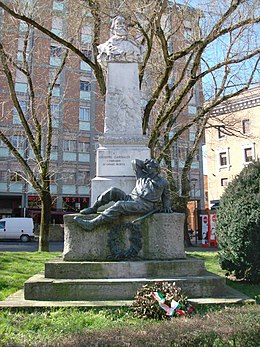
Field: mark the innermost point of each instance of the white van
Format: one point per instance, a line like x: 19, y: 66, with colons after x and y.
x: 16, y: 228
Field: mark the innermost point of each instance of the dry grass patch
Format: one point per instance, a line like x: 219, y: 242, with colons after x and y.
x: 231, y: 326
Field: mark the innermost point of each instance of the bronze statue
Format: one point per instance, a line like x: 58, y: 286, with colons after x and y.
x: 150, y: 189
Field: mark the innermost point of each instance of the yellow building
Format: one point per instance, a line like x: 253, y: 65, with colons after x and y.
x: 232, y: 140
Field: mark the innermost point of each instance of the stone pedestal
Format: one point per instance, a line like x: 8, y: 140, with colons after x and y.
x: 162, y: 238
x: 122, y: 140
x: 86, y: 274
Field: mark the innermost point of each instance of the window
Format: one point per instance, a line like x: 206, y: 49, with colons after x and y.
x: 18, y: 141
x: 54, y: 148
x: 182, y: 152
x: 23, y: 26
x: 192, y: 135
x: 245, y: 126
x: 84, y: 114
x: 248, y: 154
x: 20, y: 77
x: 83, y: 147
x: 56, y: 90
x: 15, y: 177
x: 20, y: 49
x: 21, y: 87
x: 55, y: 51
x: 221, y: 133
x: 87, y: 53
x: 196, y: 155
x: 223, y: 159
x: 192, y: 98
x: 55, y: 109
x: 3, y: 176
x: 58, y: 5
x: 55, y: 55
x: 54, y: 177
x: 16, y: 118
x: 187, y: 33
x: 224, y: 182
x: 86, y: 32
x: 69, y: 178
x: 69, y: 145
x: 192, y: 109
x: 19, y: 55
x: 23, y: 106
x: 57, y: 25
x: 85, y: 86
x: 84, y: 66
x: 83, y: 178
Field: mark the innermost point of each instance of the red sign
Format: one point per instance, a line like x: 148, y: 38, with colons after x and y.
x: 33, y: 198
x: 75, y: 199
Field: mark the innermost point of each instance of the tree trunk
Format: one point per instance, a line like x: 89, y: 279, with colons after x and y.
x: 45, y: 221
x: 182, y: 208
x: 187, y: 241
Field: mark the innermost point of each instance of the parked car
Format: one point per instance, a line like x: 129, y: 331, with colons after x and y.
x: 17, y: 228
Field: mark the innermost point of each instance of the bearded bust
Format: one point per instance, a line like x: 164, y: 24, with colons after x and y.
x: 119, y: 48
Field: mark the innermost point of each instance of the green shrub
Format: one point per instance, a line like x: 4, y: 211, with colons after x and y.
x: 145, y: 306
x: 238, y: 225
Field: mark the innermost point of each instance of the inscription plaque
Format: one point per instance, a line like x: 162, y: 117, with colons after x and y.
x: 114, y: 162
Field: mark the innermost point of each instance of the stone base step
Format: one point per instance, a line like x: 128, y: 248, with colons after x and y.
x: 16, y: 300
x: 40, y: 288
x: 60, y: 269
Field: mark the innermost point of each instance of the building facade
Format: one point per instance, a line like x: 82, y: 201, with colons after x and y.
x: 73, y: 108
x: 232, y: 141
x: 184, y: 21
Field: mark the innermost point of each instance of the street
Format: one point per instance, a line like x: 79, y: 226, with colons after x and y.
x: 18, y: 246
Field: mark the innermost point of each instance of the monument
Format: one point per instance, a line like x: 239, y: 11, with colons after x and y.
x: 150, y: 189
x: 109, y: 256
x: 122, y: 140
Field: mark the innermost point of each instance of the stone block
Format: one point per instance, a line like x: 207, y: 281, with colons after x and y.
x: 162, y: 238
x: 40, y: 288
x: 59, y: 269
x: 123, y: 114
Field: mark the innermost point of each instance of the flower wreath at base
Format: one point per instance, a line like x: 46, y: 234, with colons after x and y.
x: 135, y: 239
x: 161, y: 300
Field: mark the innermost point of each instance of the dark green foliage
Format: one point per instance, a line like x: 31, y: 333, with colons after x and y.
x: 145, y: 306
x: 238, y: 225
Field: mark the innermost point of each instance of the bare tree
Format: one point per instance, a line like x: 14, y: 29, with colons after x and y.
x: 35, y: 119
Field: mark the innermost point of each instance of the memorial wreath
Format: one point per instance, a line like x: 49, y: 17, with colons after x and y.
x: 115, y: 244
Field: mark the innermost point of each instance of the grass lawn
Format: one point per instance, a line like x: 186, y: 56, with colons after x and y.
x: 211, y: 264
x: 17, y: 267
x: 210, y: 326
